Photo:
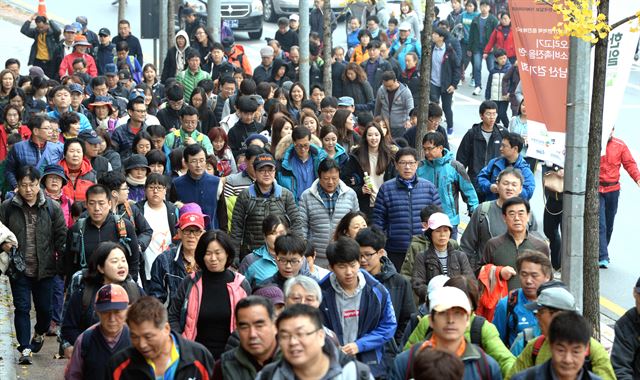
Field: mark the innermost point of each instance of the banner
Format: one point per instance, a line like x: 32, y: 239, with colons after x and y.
x: 543, y: 66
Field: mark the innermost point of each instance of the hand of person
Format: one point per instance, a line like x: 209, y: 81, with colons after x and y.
x: 189, y: 141
x: 33, y: 16
x: 350, y: 349
x: 68, y: 352
x: 507, y: 272
x: 494, y: 188
x: 407, y: 124
x: 366, y: 189
x: 6, y: 246
x: 469, y: 54
x: 450, y: 89
x: 484, y: 56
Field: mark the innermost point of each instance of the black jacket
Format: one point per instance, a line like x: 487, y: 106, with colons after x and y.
x: 196, y: 363
x: 474, y: 153
x: 400, y: 291
x: 144, y: 232
x: 362, y: 94
x: 167, y: 272
x: 353, y: 175
x: 316, y: 21
x: 134, y: 46
x: 376, y: 80
x: 104, y: 56
x: 169, y: 118
x: 101, y: 165
x: 239, y: 132
x: 337, y: 87
x: 450, y: 69
x: 91, y: 237
x: 287, y: 40
x: 625, y: 353
x: 412, y: 80
x: 50, y: 225
x: 53, y: 36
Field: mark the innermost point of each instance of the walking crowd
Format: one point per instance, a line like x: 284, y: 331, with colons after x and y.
x: 216, y: 221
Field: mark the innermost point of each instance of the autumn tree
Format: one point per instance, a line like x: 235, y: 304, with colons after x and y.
x: 579, y: 21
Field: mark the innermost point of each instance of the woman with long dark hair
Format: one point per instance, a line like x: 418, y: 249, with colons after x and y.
x: 350, y: 224
x: 347, y: 137
x: 358, y: 87
x: 329, y: 138
x: 150, y: 78
x: 297, y: 95
x: 369, y: 166
x: 225, y: 162
x: 7, y: 83
x: 206, y: 116
x: 282, y: 127
x: 209, y: 322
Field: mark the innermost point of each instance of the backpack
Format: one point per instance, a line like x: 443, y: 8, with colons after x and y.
x: 253, y: 201
x: 177, y: 140
x: 121, y: 230
x: 587, y: 366
x: 361, y: 369
x: 475, y: 332
x: 482, y: 365
x: 512, y: 301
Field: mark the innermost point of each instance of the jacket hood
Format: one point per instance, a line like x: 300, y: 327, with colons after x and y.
x: 285, y: 143
x: 236, y: 51
x: 387, y: 270
x: 447, y: 158
x: 186, y: 37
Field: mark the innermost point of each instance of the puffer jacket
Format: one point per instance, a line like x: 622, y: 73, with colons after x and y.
x: 494, y: 82
x: 397, y: 210
x: 399, y: 50
x: 28, y: 153
x: 450, y: 179
x: 250, y: 210
x: 400, y: 292
x: 318, y: 223
x: 353, y: 175
x: 286, y: 176
x: 51, y: 227
x: 401, y: 105
x: 625, y: 353
x: 474, y: 153
x: 184, y: 307
x: 238, y: 58
x: 87, y: 178
x: 427, y: 266
x: 489, y: 174
x: 167, y: 272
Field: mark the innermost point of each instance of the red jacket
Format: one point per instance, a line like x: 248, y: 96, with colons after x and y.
x: 238, y: 57
x: 66, y: 66
x: 75, y: 190
x: 23, y: 130
x: 617, y: 154
x: 497, y: 38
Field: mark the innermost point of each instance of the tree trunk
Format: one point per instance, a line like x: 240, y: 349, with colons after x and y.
x: 591, y: 290
x: 171, y: 24
x: 326, y: 50
x: 122, y: 6
x: 425, y: 76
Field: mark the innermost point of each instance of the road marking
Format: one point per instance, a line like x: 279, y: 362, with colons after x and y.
x: 467, y: 100
x: 610, y: 305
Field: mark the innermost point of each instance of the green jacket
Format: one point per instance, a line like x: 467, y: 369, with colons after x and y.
x: 491, y: 342
x: 601, y: 365
x: 176, y: 139
x: 190, y: 81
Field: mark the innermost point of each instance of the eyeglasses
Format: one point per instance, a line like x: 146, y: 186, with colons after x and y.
x: 429, y: 148
x: 520, y: 214
x: 367, y: 256
x: 156, y: 188
x: 33, y: 185
x: 302, y: 146
x: 286, y: 262
x: 194, y: 233
x: 196, y: 162
x: 407, y: 163
x: 299, y: 336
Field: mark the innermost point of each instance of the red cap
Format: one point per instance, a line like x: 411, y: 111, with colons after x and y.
x: 111, y: 297
x: 191, y: 219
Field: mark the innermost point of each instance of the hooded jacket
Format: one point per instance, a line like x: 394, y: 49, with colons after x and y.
x: 400, y: 292
x: 398, y: 111
x: 85, y: 179
x: 167, y: 272
x: 238, y: 58
x: 319, y: 223
x: 175, y: 60
x: 286, y: 175
x: 474, y: 152
x: 489, y: 175
x: 50, y: 226
x: 399, y: 50
x: 625, y: 353
x: 498, y: 40
x: 450, y: 178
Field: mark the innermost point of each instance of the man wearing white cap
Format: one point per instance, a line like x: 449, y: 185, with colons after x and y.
x: 262, y: 72
x: 294, y: 22
x: 449, y: 317
x: 404, y: 44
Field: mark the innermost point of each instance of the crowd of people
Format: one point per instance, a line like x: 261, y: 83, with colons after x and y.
x: 215, y: 221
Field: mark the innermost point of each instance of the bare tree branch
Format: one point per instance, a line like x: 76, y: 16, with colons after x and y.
x: 623, y: 21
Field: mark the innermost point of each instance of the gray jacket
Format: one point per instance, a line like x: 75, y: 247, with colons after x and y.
x: 401, y: 105
x: 318, y: 224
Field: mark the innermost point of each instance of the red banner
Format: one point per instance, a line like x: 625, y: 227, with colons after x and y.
x: 543, y: 62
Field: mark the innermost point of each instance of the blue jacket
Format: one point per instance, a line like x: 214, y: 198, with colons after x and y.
x: 473, y: 358
x: 341, y: 156
x: 397, y: 210
x: 104, y: 56
x: 123, y: 139
x: 167, y: 272
x: 489, y: 174
x: 258, y: 266
x: 400, y: 51
x: 525, y: 318
x: 376, y: 323
x: 449, y: 177
x: 286, y: 177
x: 203, y: 191
x: 85, y: 124
x: 27, y: 153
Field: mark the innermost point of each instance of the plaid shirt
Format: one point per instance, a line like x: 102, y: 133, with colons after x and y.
x: 329, y: 200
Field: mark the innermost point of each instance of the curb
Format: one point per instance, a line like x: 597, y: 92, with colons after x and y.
x: 7, y: 351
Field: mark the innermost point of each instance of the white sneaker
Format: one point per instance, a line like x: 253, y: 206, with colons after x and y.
x: 477, y: 91
x: 25, y: 357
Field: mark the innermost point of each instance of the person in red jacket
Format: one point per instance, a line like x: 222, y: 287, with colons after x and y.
x: 502, y: 38
x: 617, y: 154
x: 80, y: 46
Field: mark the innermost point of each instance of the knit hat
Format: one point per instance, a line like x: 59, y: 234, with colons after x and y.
x: 111, y: 297
x: 271, y: 292
x: 55, y: 169
x: 137, y: 161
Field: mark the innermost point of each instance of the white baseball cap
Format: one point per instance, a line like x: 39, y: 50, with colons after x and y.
x: 449, y: 297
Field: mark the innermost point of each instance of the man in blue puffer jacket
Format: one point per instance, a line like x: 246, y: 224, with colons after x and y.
x: 398, y: 205
x: 449, y: 177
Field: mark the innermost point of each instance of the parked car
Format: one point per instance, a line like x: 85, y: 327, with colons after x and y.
x: 239, y: 15
x: 276, y: 8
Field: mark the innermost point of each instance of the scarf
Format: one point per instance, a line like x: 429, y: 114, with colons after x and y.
x: 180, y: 59
x: 53, y: 196
x: 135, y: 182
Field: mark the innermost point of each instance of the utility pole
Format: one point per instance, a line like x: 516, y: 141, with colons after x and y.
x: 575, y: 170
x: 164, y: 38
x: 326, y: 49
x: 305, y: 29
x: 214, y: 19
x: 171, y: 24
x: 122, y: 6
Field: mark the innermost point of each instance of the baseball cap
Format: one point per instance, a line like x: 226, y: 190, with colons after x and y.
x: 187, y: 11
x: 404, y: 26
x: 80, y: 40
x: 439, y: 219
x: 266, y: 51
x: 190, y: 219
x: 110, y: 69
x: 638, y: 285
x: 262, y: 160
x: 271, y: 292
x: 294, y: 17
x: 36, y: 71
x: 346, y: 101
x: 74, y: 87
x: 90, y: 136
x: 82, y: 20
x: 247, y: 104
x: 436, y: 283
x: 111, y: 297
x: 283, y: 21
x: 449, y: 297
x: 554, y: 295
x: 136, y: 93
x: 104, y: 32
x: 70, y: 28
